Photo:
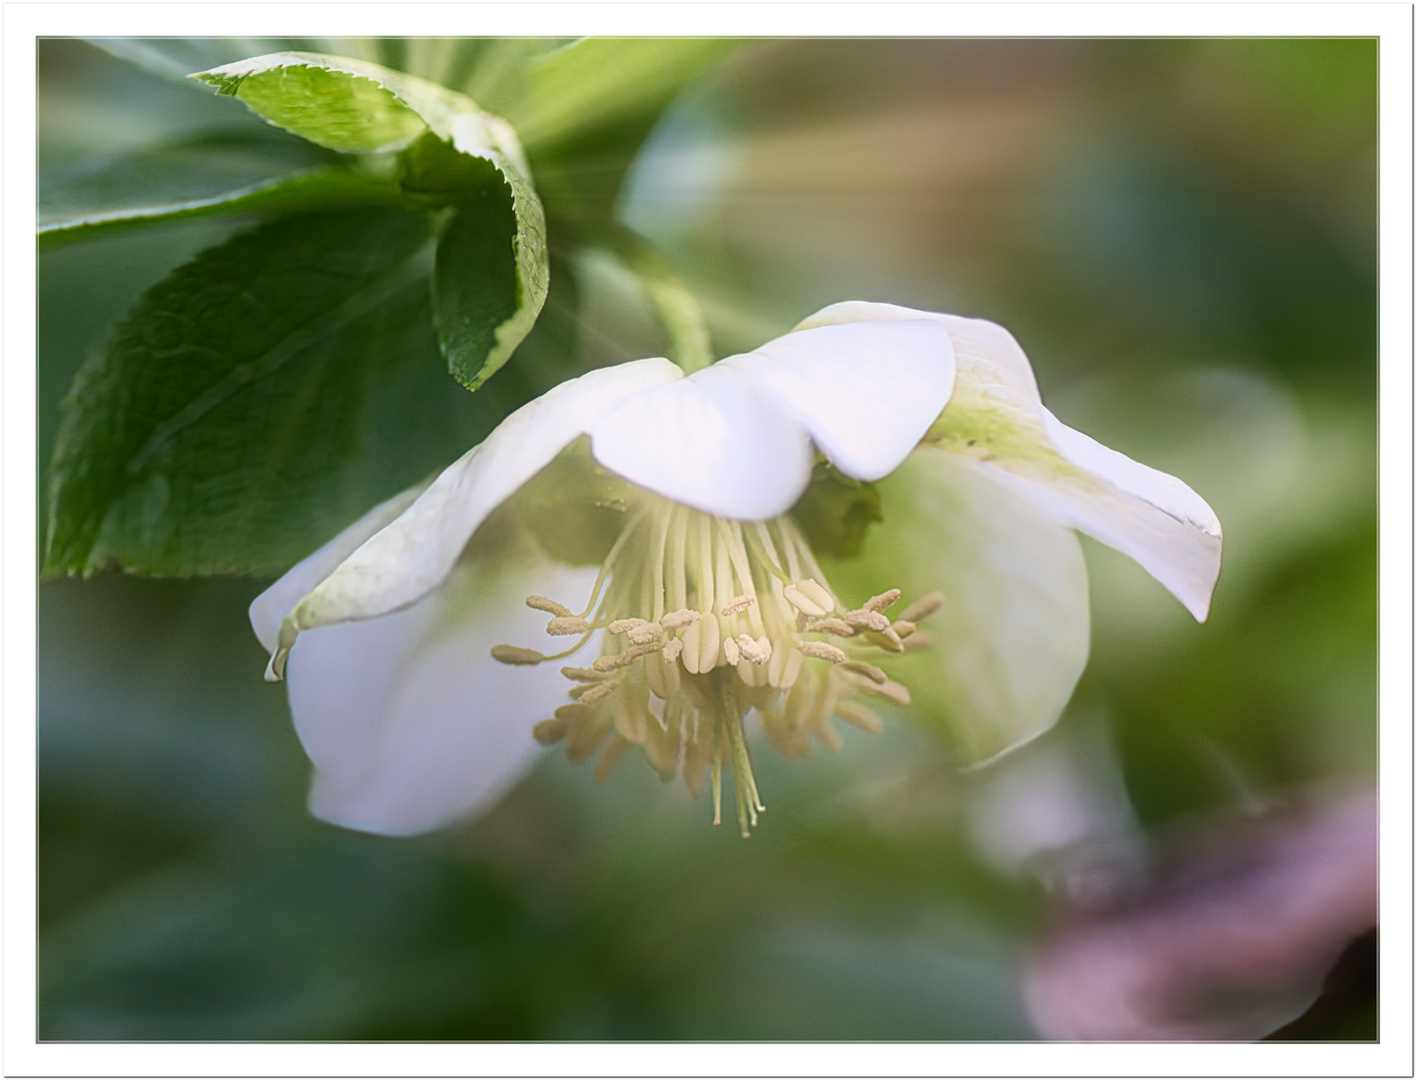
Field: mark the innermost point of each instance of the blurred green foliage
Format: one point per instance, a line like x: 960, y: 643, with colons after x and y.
x: 1182, y: 234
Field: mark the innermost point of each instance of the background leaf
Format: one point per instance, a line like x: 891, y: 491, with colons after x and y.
x: 256, y: 400
x: 586, y: 109
x: 596, y: 83
x: 210, y: 173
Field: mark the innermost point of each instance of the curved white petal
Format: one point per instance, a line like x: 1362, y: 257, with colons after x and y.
x: 1146, y: 514
x: 268, y: 609
x: 989, y: 362
x: 865, y: 393
x: 408, y: 720
x: 413, y: 554
x: 1012, y: 636
x: 713, y: 441
x: 996, y: 418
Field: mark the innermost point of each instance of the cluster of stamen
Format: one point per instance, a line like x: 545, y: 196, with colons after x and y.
x: 705, y: 619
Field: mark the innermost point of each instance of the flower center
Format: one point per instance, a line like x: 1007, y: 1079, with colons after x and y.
x: 704, y: 620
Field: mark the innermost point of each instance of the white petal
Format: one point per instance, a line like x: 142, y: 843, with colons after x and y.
x: 268, y: 609
x: 409, y: 721
x: 865, y: 393
x: 1012, y: 637
x: 413, y: 554
x: 996, y: 418
x: 1147, y: 514
x: 713, y: 441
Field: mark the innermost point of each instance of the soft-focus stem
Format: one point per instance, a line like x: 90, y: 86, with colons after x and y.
x: 675, y: 306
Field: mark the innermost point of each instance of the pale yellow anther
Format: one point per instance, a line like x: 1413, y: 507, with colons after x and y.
x: 803, y: 603
x: 886, y: 639
x: 870, y: 671
x: 736, y: 604
x: 580, y: 674
x: 677, y: 620
x: 550, y: 731
x: 883, y: 601
x: 565, y: 625
x: 515, y: 654
x: 624, y: 659
x: 918, y: 642
x: 820, y: 650
x: 624, y: 626
x: 903, y: 628
x: 594, y: 693
x: 868, y: 620
x: 855, y: 713
x: 642, y: 635
x: 730, y: 651
x: 923, y: 607
x: 819, y: 594
x: 839, y: 627
x: 672, y: 650
x: 550, y: 607
x: 758, y: 652
x: 891, y: 690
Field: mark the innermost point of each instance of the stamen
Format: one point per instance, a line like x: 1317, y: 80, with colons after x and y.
x: 923, y: 607
x: 868, y: 620
x: 892, y: 690
x: 677, y: 620
x: 820, y: 650
x: 566, y: 626
x: 838, y: 627
x: 759, y: 651
x: 548, y: 732
x: 855, y: 713
x: 874, y: 674
x: 803, y: 603
x: 630, y: 528
x: 883, y: 601
x: 624, y: 659
x: 589, y: 693
x: 580, y: 674
x: 646, y: 633
x: 817, y: 594
x: 886, y: 639
x: 515, y: 654
x: 719, y: 611
x: 610, y: 758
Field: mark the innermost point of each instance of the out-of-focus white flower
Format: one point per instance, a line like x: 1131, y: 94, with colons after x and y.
x: 650, y: 517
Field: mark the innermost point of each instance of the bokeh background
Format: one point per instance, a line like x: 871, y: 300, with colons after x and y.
x: 1183, y: 236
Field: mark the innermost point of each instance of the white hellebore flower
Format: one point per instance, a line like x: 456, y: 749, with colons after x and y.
x: 675, y: 527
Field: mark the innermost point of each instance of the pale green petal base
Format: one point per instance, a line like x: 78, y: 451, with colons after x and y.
x: 1011, y: 640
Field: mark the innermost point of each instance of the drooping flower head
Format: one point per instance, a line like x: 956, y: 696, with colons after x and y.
x: 673, y: 530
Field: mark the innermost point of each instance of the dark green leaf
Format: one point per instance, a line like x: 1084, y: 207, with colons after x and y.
x: 491, y: 268
x: 491, y: 275
x: 204, y: 175
x: 255, y: 401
